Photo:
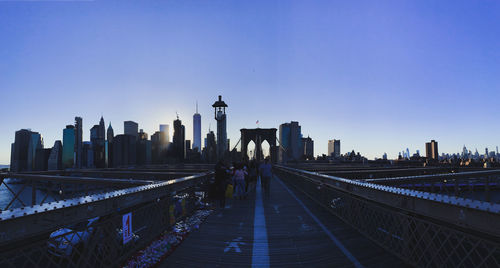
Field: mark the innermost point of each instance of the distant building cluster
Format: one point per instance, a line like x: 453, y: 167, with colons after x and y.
x: 136, y: 148
x: 132, y: 148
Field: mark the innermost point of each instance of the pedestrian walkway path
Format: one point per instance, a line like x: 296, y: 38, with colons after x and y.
x: 280, y: 229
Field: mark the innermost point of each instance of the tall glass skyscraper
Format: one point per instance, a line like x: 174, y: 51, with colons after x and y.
x: 78, y: 142
x: 290, y: 142
x: 68, y: 155
x: 197, y: 130
x: 131, y: 128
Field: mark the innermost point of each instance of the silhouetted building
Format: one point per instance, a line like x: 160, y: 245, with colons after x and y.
x: 98, y: 139
x: 290, y: 141
x: 308, y: 145
x: 20, y: 148
x: 55, y: 158
x: 334, y: 148
x: 131, y: 128
x: 156, y: 152
x: 431, y: 150
x: 88, y: 155
x: 124, y: 150
x: 164, y: 137
x: 210, y: 150
x: 179, y: 141
x: 197, y: 131
x: 36, y: 143
x: 42, y: 159
x: 78, y: 142
x: 220, y: 116
x: 68, y: 154
x: 143, y: 149
x: 110, y: 135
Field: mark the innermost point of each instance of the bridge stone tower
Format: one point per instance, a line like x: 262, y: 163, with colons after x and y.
x: 220, y: 116
x: 258, y: 135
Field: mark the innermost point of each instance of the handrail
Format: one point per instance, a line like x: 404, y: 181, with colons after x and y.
x: 466, y: 213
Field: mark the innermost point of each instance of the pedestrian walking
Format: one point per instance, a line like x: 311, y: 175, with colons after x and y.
x: 220, y: 183
x: 239, y: 181
x: 252, y: 174
x: 265, y: 171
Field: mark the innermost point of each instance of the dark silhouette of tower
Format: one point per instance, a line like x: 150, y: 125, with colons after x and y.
x: 179, y: 140
x: 431, y: 150
x: 78, y: 142
x: 110, y: 135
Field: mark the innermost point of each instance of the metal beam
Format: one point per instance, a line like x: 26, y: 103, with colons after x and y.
x: 474, y: 215
x: 21, y: 223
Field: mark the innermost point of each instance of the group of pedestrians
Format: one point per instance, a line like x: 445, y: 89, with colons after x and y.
x: 241, y: 178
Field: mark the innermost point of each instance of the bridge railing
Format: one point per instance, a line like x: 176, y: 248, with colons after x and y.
x: 88, y: 231
x: 477, y: 185
x: 20, y: 190
x: 423, y: 229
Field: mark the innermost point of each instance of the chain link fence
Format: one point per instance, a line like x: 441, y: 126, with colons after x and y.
x: 99, y: 241
x: 418, y: 240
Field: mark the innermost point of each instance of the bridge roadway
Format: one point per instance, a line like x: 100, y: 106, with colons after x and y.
x: 284, y: 228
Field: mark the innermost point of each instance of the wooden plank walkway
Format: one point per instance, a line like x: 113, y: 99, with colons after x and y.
x: 299, y: 234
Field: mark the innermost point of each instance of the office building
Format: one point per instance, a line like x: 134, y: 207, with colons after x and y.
x: 334, y: 148
x: 36, y: 143
x: 55, y: 158
x: 308, y: 145
x: 431, y: 150
x: 197, y: 131
x: 109, y: 142
x: 124, y: 150
x: 210, y: 150
x: 164, y: 136
x: 88, y: 154
x: 179, y: 140
x: 131, y: 128
x: 78, y: 142
x: 68, y: 153
x: 144, y: 147
x: 290, y: 138
x: 20, y: 148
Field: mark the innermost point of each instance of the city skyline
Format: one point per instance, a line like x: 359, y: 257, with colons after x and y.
x: 379, y: 77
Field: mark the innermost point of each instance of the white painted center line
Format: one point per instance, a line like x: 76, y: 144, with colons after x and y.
x: 260, y: 253
x: 323, y: 227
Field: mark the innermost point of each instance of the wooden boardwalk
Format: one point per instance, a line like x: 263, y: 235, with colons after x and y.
x: 295, y: 232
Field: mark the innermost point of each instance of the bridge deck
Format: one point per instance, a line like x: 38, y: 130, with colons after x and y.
x: 282, y: 229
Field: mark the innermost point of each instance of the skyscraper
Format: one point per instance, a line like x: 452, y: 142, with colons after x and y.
x: 179, y: 140
x: 36, y: 142
x: 334, y: 148
x: 124, y: 150
x: 19, y: 156
x: 164, y: 138
x: 110, y: 135
x: 55, y: 158
x: 210, y: 150
x: 78, y: 142
x: 431, y: 150
x: 308, y: 145
x: 290, y: 138
x: 143, y: 149
x: 98, y: 139
x: 220, y: 116
x: 131, y: 128
x: 197, y: 130
x: 68, y: 154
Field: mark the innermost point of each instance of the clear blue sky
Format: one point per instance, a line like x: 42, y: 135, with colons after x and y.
x: 379, y: 75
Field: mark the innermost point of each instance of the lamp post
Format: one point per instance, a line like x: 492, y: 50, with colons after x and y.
x: 220, y: 117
